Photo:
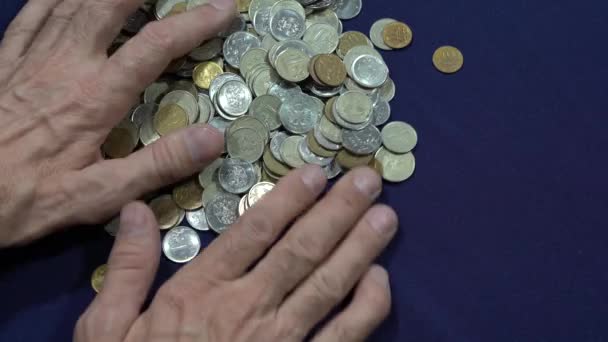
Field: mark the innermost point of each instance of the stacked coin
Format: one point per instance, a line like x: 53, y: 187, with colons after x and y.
x: 289, y: 88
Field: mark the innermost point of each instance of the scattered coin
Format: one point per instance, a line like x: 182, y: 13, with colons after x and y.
x: 396, y: 167
x: 181, y: 244
x: 399, y: 137
x: 397, y: 35
x: 169, y: 119
x: 222, y: 211
x: 448, y: 59
x: 205, y: 73
x: 197, y: 219
x: 98, y: 276
x: 188, y: 195
x: 167, y: 213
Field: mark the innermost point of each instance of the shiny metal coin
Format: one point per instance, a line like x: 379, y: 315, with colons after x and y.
x: 237, y: 44
x: 292, y: 65
x: 275, y: 145
x: 266, y: 109
x: 166, y: 7
x: 147, y: 133
x: 322, y: 38
x: 311, y: 158
x: 197, y: 219
x: 206, y: 110
x: 219, y: 81
x: 181, y: 244
x: 236, y: 176
x: 399, y: 137
x: 332, y: 170
x: 324, y: 142
x: 327, y: 16
x: 185, y: 100
x: 369, y: 71
x: 290, y: 153
x: 381, y: 112
x: 209, y: 174
x: 375, y: 33
x: 396, y: 167
x: 245, y: 144
x: 234, y: 98
x: 142, y: 112
x: 365, y: 141
x: 222, y: 212
x: 348, y: 9
x: 353, y: 107
x: 257, y: 192
x: 299, y: 114
x: 387, y: 90
x: 287, y: 24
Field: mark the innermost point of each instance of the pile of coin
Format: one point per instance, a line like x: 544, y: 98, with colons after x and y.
x: 287, y: 87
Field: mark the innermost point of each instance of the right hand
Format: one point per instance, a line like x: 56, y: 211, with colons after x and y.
x: 220, y: 297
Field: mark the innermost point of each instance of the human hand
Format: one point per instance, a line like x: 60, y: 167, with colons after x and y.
x: 60, y: 95
x: 315, y: 264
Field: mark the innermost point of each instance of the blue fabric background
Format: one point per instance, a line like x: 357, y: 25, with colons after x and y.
x: 504, y: 233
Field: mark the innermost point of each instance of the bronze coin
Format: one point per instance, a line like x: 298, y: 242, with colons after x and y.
x: 397, y: 35
x: 330, y: 70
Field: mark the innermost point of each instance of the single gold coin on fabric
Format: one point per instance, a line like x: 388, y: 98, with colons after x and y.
x: 448, y: 59
x: 396, y: 167
x: 349, y: 161
x: 397, y: 35
x: 169, y: 119
x: 188, y: 195
x: 120, y: 142
x: 166, y: 211
x: 98, y: 276
x: 330, y: 70
x: 205, y: 73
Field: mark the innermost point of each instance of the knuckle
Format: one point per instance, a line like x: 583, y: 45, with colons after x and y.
x: 348, y: 200
x: 158, y: 37
x: 304, y: 249
x: 329, y: 287
x: 172, y: 300
x: 257, y: 227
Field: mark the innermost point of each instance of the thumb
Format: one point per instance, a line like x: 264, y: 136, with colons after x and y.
x: 131, y: 270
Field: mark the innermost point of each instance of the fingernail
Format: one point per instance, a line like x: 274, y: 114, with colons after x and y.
x: 383, y: 220
x: 368, y: 182
x: 379, y: 275
x: 203, y: 142
x: 313, y: 176
x: 221, y: 4
x: 131, y: 220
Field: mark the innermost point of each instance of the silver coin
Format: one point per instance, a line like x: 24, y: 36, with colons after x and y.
x: 209, y: 174
x: 252, y: 58
x: 387, y: 90
x: 197, y: 219
x: 285, y: 90
x: 220, y: 80
x: 362, y: 142
x: 274, y: 53
x: 324, y: 92
x: 249, y: 121
x: 185, y: 100
x: 309, y: 157
x: 291, y: 5
x: 275, y: 145
x: 113, y: 226
x: 332, y: 170
x: 292, y: 65
x: 369, y: 71
x: 268, y: 42
x: 234, y: 98
x: 357, y: 52
x: 147, y: 133
x: 261, y: 21
x: 237, y: 44
x: 192, y: 4
x: 206, y: 110
x: 330, y: 130
x: 266, y: 108
x: 290, y: 153
x: 399, y: 137
x: 381, y: 113
x: 322, y: 38
x: 236, y: 176
x: 245, y: 144
x: 327, y: 16
x: 155, y: 92
x: 208, y: 50
x: 299, y: 114
x: 354, y: 107
x: 287, y: 24
x: 212, y: 191
x: 181, y: 244
x: 164, y: 7
x: 258, y: 5
x: 222, y: 212
x: 350, y: 85
x: 348, y: 9
x: 375, y: 33
x: 324, y: 142
x: 220, y: 124
x: 142, y: 112
x: 264, y: 80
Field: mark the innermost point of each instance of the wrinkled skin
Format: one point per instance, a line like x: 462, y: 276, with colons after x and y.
x: 60, y: 97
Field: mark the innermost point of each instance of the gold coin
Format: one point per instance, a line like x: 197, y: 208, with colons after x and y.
x: 170, y: 118
x: 243, y: 5
x: 311, y: 70
x: 274, y: 167
x: 178, y: 9
x: 98, y: 276
x: 396, y: 167
x: 205, y: 73
x: 376, y: 165
x: 448, y: 59
x: 397, y: 35
x: 166, y: 211
x: 188, y: 195
x: 266, y: 177
x: 120, y: 142
x: 349, y: 40
x: 330, y: 70
x: 349, y: 161
x: 317, y: 149
x: 329, y: 110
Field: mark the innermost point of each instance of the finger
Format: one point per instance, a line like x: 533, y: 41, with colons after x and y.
x: 22, y: 30
x: 248, y: 239
x: 99, y: 22
x: 316, y: 234
x: 369, y: 307
x: 333, y: 280
x: 131, y: 269
x: 99, y: 191
x: 139, y: 62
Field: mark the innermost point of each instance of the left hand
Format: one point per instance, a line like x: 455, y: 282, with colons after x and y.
x: 60, y: 95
